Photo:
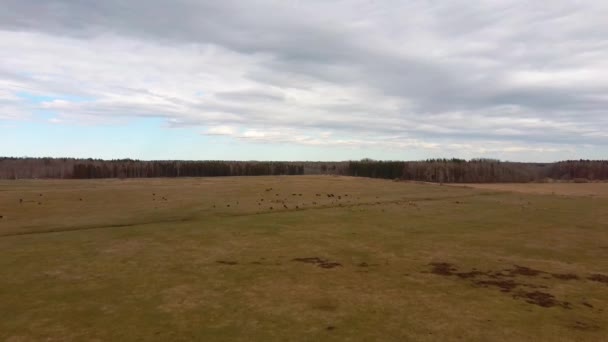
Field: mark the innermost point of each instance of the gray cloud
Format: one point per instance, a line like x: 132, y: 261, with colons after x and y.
x: 513, y: 74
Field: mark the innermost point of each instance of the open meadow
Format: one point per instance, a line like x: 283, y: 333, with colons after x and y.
x: 283, y: 258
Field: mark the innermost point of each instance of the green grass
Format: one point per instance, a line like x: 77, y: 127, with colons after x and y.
x: 119, y: 266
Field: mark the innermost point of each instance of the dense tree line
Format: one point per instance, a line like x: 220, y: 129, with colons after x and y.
x: 578, y: 169
x: 16, y: 168
x: 432, y: 170
x: 480, y: 170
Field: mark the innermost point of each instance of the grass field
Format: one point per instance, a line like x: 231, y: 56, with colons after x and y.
x: 301, y: 258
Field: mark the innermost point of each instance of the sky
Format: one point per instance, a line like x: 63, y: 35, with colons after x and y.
x: 304, y: 80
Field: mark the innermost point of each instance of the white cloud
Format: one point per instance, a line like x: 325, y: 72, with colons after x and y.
x: 505, y: 77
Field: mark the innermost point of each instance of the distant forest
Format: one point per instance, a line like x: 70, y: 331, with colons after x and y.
x: 433, y: 170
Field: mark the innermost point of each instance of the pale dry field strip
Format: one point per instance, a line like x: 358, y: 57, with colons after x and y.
x: 598, y: 189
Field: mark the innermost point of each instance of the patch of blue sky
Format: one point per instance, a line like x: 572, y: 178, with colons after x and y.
x: 39, y: 98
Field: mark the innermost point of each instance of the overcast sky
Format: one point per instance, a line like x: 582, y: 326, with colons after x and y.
x: 311, y: 79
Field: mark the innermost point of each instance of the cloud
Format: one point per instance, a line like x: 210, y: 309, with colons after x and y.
x: 509, y: 78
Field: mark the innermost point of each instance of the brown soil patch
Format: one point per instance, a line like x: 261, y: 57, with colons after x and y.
x: 566, y: 276
x: 504, y: 285
x: 546, y: 300
x: 505, y: 281
x: 525, y: 271
x: 472, y: 274
x: 223, y: 262
x: 443, y: 268
x: 599, y: 278
x: 323, y: 263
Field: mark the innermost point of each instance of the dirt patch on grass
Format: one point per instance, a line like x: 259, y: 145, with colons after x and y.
x: 546, y: 300
x: 224, y: 262
x: 323, y: 263
x: 599, y: 278
x: 565, y: 276
x: 525, y: 271
x: 443, y: 268
x: 506, y: 281
x: 506, y: 285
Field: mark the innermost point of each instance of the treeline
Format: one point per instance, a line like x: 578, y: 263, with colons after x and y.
x: 480, y: 170
x: 432, y: 170
x: 579, y: 169
x: 17, y: 168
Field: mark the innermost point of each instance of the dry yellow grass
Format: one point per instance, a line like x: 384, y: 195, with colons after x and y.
x: 565, y: 189
x: 379, y: 260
